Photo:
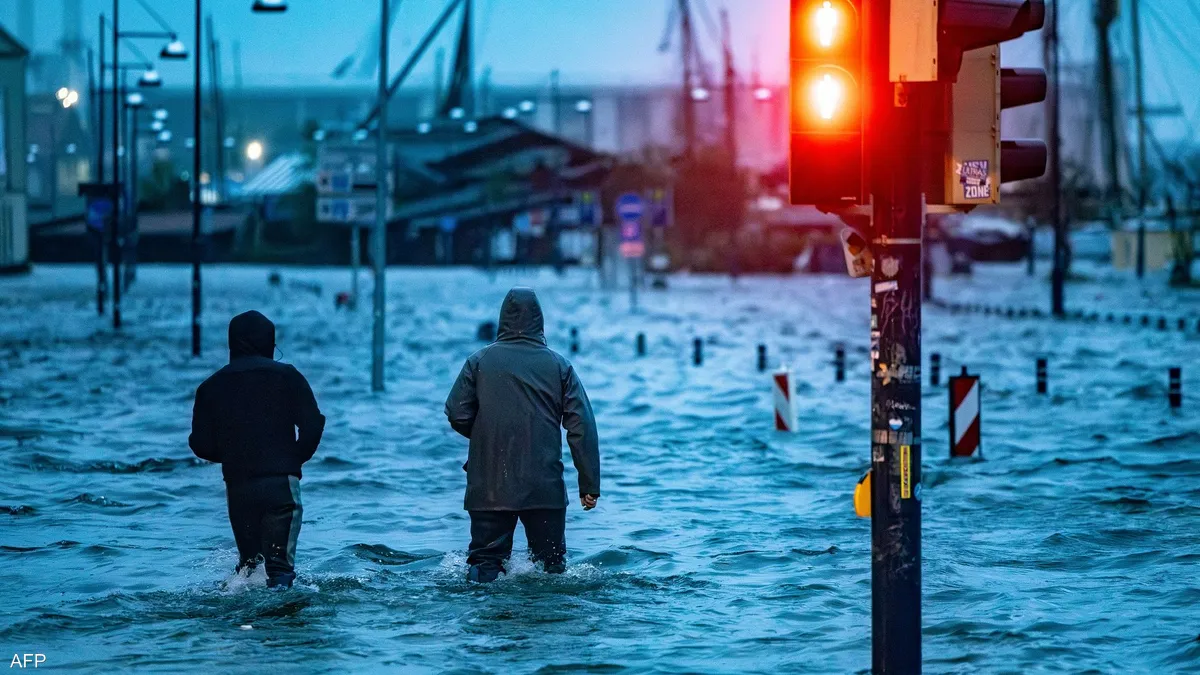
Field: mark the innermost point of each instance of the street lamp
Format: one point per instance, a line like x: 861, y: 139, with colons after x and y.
x: 164, y: 136
x: 457, y: 113
x: 527, y: 106
x: 318, y: 135
x: 471, y: 127
x: 700, y: 94
x: 161, y: 114
x: 157, y: 125
x: 135, y: 100
x: 174, y: 50
x: 424, y: 128
x: 269, y: 6
x: 254, y: 151
x: 584, y: 107
x: 509, y: 113
x: 67, y: 97
x: 360, y: 135
x: 762, y: 94
x: 150, y: 80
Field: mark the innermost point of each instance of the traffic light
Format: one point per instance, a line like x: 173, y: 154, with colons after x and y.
x: 976, y: 159
x: 826, y: 154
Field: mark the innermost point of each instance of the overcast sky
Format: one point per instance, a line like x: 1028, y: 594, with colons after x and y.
x: 590, y: 41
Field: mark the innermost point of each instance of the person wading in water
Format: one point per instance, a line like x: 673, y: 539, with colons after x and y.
x: 246, y: 418
x: 510, y: 400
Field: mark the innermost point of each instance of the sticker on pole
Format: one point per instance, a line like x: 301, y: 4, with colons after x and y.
x: 630, y: 208
x: 964, y: 415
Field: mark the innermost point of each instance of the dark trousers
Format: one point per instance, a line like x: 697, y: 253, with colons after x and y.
x: 492, y: 540
x: 265, y: 515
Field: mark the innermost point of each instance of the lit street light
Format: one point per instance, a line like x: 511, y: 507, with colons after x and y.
x: 584, y: 107
x: 471, y: 127
x: 161, y: 114
x: 270, y: 6
x: 509, y: 113
x: 762, y: 94
x: 700, y: 94
x: 174, y: 50
x: 254, y: 151
x: 164, y: 136
x: 527, y: 106
x: 424, y: 128
x: 150, y: 80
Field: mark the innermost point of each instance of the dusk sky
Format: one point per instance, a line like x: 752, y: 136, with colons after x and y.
x: 590, y: 41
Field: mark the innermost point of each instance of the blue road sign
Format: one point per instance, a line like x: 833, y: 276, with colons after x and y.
x: 98, y: 211
x: 630, y: 207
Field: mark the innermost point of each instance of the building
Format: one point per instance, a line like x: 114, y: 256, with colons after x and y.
x: 14, y: 228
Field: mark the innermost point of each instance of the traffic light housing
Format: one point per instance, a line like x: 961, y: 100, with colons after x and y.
x: 826, y: 152
x: 975, y: 159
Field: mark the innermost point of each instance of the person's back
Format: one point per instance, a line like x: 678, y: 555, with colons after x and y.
x: 246, y: 418
x: 511, y: 400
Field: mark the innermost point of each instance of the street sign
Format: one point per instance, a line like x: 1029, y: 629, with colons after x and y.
x: 588, y: 203
x: 98, y: 211
x: 630, y: 210
x: 346, y: 185
x: 660, y: 208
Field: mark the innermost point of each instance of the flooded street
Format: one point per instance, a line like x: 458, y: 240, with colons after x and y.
x: 719, y: 545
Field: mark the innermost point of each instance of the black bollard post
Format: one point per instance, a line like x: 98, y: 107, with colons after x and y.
x: 762, y: 358
x: 1042, y: 387
x: 1145, y: 319
x: 1110, y: 318
x: 1182, y: 325
x: 697, y: 352
x: 1162, y: 323
x: 935, y: 369
x: 1175, y: 387
x: 839, y: 363
x: 486, y: 332
x: 641, y: 344
x: 574, y: 340
x: 1127, y: 320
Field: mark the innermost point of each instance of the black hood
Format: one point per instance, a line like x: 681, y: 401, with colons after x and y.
x: 251, y: 334
x: 521, y: 316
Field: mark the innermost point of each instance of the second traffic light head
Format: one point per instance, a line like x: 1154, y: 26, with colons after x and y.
x: 964, y: 25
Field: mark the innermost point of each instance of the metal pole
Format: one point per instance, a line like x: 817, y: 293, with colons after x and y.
x: 1058, y: 275
x: 98, y: 103
x: 379, y: 236
x: 898, y: 214
x: 355, y: 263
x: 115, y: 238
x: 556, y: 99
x: 196, y: 194
x: 633, y: 284
x: 131, y: 268
x: 1139, y: 86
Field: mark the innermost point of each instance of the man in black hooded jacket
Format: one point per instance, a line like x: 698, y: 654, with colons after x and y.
x: 246, y: 418
x: 511, y: 399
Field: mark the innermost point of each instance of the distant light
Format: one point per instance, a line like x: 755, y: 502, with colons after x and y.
x: 471, y: 127
x: 254, y: 151
x: 121, y: 151
x: 827, y: 23
x: 230, y: 142
x: 509, y: 113
x: 360, y: 135
x: 174, y: 50
x: 700, y: 94
x: 157, y: 125
x: 762, y: 94
x: 135, y: 100
x: 457, y: 113
x: 34, y: 148
x: 150, y: 79
x: 30, y: 158
x: 62, y: 93
x: 583, y: 105
x: 828, y: 96
x: 70, y: 99
x: 319, y: 135
x: 189, y: 143
x: 161, y: 114
x: 424, y: 128
x: 270, y: 6
x: 527, y: 106
x: 70, y: 148
x: 164, y: 136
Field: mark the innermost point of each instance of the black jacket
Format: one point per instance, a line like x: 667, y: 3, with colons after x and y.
x: 511, y: 399
x: 247, y: 414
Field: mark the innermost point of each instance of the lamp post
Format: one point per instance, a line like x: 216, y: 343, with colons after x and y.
x: 262, y: 6
x: 379, y: 235
x: 133, y: 102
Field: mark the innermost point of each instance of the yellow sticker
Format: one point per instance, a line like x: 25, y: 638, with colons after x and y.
x: 905, y: 472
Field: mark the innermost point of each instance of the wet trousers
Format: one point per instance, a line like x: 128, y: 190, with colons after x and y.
x: 265, y: 514
x: 492, y: 540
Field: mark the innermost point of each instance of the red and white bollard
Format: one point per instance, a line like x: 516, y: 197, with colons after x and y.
x: 785, y: 400
x: 964, y: 414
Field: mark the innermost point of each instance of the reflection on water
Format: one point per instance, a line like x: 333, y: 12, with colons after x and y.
x: 718, y: 546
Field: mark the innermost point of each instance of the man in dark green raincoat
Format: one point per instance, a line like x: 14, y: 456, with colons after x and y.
x: 511, y: 400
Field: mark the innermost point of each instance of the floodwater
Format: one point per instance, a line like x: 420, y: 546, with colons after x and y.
x: 718, y: 546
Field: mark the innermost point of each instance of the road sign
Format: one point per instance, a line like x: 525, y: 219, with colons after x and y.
x: 98, y: 211
x: 630, y: 207
x: 346, y: 185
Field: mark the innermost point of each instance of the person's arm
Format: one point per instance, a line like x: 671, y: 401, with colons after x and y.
x: 462, y: 404
x: 202, y: 441
x: 307, y: 417
x: 582, y: 437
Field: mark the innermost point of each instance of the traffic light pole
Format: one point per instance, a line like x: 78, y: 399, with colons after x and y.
x: 898, y: 214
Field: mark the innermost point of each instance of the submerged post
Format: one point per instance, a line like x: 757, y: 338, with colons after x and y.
x: 839, y: 363
x: 1042, y: 385
x: 935, y: 369
x: 697, y: 352
x: 1175, y: 387
x: 574, y: 340
x: 641, y: 344
x: 762, y: 358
